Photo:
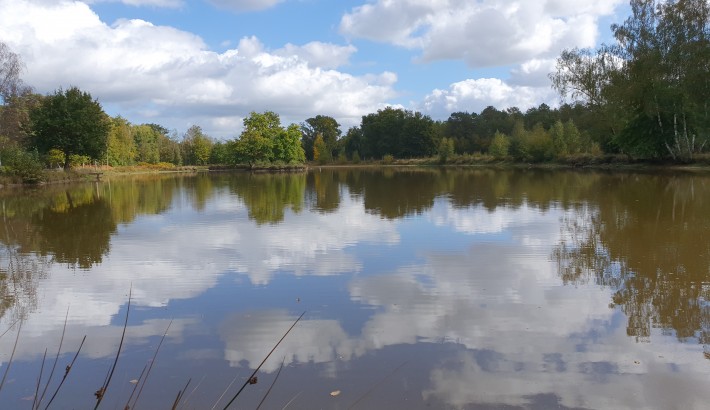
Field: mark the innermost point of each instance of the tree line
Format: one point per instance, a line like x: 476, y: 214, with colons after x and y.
x: 645, y: 96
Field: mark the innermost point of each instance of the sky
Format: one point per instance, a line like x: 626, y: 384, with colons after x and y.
x: 210, y: 63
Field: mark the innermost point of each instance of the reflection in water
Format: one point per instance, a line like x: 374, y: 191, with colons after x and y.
x: 647, y: 240
x: 471, y: 288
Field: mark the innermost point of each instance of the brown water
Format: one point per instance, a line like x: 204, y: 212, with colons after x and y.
x: 423, y: 289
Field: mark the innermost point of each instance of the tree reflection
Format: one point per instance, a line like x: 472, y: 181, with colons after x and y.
x: 79, y: 233
x: 323, y: 189
x: 646, y: 237
x: 267, y: 196
x: 70, y: 225
x: 397, y: 193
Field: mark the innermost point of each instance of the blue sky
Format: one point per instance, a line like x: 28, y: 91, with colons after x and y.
x: 211, y: 62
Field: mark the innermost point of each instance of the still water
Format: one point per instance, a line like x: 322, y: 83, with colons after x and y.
x: 422, y: 289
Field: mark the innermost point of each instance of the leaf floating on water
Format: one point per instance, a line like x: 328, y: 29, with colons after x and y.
x: 253, y: 380
x: 134, y: 381
x: 335, y: 393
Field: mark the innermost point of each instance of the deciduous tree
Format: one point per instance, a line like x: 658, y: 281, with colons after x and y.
x: 72, y: 122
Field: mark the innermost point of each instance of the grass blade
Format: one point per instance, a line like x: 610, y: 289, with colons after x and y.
x: 56, y: 359
x: 152, y: 362
x: 292, y: 400
x: 102, y: 391
x: 184, y: 404
x: 179, y: 395
x: 39, y: 380
x: 264, y: 361
x: 66, y: 373
x: 7, y: 369
x: 224, y: 392
x: 272, y: 384
x: 128, y: 403
x: 375, y: 385
x: 11, y: 326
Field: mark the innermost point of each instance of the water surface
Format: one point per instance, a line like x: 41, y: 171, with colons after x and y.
x: 423, y: 288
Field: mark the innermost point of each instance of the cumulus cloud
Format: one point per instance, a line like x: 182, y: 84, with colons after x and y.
x: 319, y: 54
x: 245, y: 5
x: 152, y: 73
x: 482, y: 33
x: 473, y: 95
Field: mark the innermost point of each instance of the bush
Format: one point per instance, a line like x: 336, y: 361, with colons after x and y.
x: 22, y: 164
x: 355, y: 157
x: 388, y: 159
x: 499, y: 146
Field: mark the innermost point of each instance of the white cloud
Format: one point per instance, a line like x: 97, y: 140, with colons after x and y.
x: 173, y: 4
x: 482, y: 33
x: 245, y: 5
x: 473, y: 95
x: 160, y: 74
x: 319, y: 54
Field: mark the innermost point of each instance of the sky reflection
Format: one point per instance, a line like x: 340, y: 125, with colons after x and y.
x: 470, y: 297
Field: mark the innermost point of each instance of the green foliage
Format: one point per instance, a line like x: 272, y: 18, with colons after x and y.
x: 499, y: 145
x: 445, y: 149
x: 572, y: 137
x: 320, y: 150
x: 649, y: 89
x: 539, y: 144
x: 287, y: 146
x: 325, y: 126
x: 559, y: 143
x: 253, y: 148
x: 76, y: 160
x: 121, y: 147
x: 72, y: 122
x: 355, y: 158
x: 168, y: 149
x: 400, y: 133
x: 264, y: 140
x: 54, y: 158
x: 146, y: 139
x: 195, y: 146
x: 518, y: 141
x: 15, y: 117
x: 220, y: 153
x: 20, y: 163
x: 388, y: 159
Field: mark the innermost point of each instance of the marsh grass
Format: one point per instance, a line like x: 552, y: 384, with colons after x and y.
x: 132, y: 401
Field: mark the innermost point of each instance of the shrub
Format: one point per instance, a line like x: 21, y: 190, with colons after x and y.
x: 499, y: 145
x: 388, y: 159
x: 25, y: 165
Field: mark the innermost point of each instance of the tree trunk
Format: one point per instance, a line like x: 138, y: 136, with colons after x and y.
x: 66, y: 161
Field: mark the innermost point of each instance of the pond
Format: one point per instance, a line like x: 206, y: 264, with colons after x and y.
x: 422, y: 289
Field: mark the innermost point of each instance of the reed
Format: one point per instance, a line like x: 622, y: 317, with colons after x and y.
x: 102, y: 391
x: 263, y: 361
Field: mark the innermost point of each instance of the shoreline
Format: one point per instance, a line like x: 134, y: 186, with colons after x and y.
x: 55, y: 177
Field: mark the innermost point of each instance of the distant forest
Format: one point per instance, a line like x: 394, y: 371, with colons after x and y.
x: 645, y: 96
